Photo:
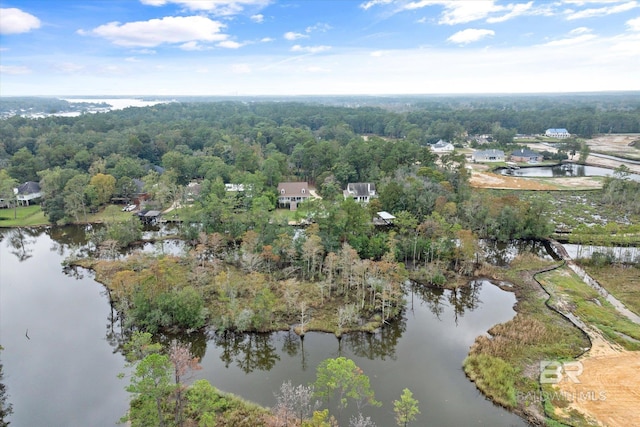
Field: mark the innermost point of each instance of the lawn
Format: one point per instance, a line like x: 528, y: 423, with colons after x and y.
x: 25, y: 216
x: 111, y: 213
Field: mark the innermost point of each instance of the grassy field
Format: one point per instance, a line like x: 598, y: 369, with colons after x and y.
x: 111, y: 213
x: 505, y: 365
x: 570, y: 293
x: 33, y: 216
x: 26, y: 216
x: 622, y: 281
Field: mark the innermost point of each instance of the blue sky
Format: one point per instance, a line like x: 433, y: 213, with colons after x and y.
x: 304, y: 47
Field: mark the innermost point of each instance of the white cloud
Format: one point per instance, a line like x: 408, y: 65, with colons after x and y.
x: 266, y: 39
x: 634, y: 24
x: 219, y: 7
x: 144, y: 51
x: 369, y: 4
x: 321, y: 27
x: 460, y: 12
x: 171, y: 29
x: 580, y: 30
x: 257, y: 18
x: 470, y: 35
x: 569, y: 41
x: 14, y: 69
x: 15, y: 21
x: 290, y: 35
x: 378, y: 53
x: 603, y: 11
x: 516, y: 10
x: 230, y: 44
x: 132, y: 59
x: 309, y: 49
x: 192, y: 46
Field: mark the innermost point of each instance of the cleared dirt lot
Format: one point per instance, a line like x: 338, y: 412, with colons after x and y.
x: 625, y: 145
x: 485, y: 179
x: 609, y: 388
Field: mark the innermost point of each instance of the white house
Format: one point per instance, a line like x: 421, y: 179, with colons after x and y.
x: 360, y: 191
x: 442, y: 147
x: 560, y: 133
x: 488, y: 156
x: 26, y: 192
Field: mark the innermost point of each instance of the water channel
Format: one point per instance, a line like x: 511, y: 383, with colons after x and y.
x: 61, y: 361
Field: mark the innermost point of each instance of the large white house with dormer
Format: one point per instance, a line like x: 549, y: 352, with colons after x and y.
x: 560, y: 133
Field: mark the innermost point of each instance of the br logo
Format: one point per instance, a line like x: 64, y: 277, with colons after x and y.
x: 552, y: 371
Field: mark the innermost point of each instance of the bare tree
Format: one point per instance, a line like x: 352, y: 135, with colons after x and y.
x: 361, y: 421
x: 184, y: 364
x: 294, y: 404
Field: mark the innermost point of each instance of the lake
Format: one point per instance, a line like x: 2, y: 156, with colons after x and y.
x: 61, y: 360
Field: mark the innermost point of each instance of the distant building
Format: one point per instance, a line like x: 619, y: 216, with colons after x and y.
x: 557, y: 133
x: 292, y: 193
x: 488, y: 156
x: 234, y: 187
x: 383, y: 218
x: 442, y: 147
x: 193, y: 191
x: 360, y: 191
x: 26, y: 192
x: 523, y: 155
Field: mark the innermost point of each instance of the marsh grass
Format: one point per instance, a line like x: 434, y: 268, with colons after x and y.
x: 505, y: 364
x: 576, y: 296
x: 621, y: 280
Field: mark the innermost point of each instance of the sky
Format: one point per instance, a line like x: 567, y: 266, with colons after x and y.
x: 317, y: 47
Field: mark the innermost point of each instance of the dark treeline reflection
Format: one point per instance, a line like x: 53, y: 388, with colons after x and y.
x: 253, y: 351
x: 461, y: 299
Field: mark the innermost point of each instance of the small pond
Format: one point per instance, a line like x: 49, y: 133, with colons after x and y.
x: 564, y: 170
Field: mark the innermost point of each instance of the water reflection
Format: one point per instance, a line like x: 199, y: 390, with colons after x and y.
x: 502, y: 253
x: 422, y: 351
x: 22, y: 241
x: 248, y: 351
x: 460, y: 299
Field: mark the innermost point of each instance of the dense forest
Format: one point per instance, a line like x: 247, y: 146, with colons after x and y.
x: 246, y: 268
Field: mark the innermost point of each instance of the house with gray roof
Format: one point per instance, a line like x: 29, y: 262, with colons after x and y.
x: 523, y: 155
x: 442, y: 147
x: 26, y: 192
x: 488, y: 156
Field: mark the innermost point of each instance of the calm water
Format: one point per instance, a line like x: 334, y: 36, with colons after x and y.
x: 567, y: 170
x: 65, y: 374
